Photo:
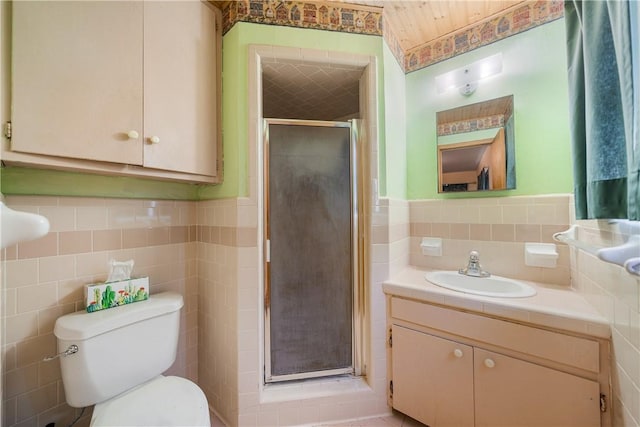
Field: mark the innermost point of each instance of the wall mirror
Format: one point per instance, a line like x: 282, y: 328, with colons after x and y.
x: 476, y: 147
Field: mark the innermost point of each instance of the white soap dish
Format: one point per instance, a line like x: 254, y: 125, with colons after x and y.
x: 431, y: 246
x: 540, y: 255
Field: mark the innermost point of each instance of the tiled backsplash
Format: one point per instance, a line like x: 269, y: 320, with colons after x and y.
x: 390, y: 237
x: 45, y: 278
x: 497, y: 227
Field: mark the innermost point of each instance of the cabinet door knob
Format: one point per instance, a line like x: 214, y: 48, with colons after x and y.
x: 132, y: 134
x: 489, y: 363
x: 154, y: 139
x: 458, y: 353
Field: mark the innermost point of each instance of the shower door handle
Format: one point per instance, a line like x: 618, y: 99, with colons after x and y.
x: 267, y: 251
x: 267, y: 275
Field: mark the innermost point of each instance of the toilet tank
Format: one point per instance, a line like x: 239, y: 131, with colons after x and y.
x: 118, y: 348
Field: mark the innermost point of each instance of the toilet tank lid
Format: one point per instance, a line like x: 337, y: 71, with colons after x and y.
x: 82, y: 325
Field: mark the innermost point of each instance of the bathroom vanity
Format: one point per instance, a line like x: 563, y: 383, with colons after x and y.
x: 463, y: 360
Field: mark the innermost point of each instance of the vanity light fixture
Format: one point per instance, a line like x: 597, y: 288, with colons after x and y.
x: 466, y: 78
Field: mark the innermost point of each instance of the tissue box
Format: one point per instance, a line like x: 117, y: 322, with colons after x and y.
x: 100, y: 296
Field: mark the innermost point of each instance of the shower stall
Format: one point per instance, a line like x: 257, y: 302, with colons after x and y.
x: 313, y: 293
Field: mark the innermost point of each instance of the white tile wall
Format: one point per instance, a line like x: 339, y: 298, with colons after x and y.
x: 40, y: 282
x: 218, y: 312
x: 222, y: 317
x: 616, y: 295
x: 231, y: 340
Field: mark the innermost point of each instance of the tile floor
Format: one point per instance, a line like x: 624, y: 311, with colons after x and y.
x: 394, y: 420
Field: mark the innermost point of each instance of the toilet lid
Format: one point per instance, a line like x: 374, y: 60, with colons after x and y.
x: 163, y: 401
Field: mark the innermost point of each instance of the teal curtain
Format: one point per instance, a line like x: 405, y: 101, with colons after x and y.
x: 601, y: 97
x: 634, y: 180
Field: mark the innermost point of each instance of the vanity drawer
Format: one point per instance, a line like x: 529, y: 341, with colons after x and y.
x: 569, y: 350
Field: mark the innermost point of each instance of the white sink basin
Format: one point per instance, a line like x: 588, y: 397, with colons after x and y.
x: 493, y: 286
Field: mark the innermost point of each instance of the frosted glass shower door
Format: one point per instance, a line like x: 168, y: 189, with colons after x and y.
x: 309, y: 273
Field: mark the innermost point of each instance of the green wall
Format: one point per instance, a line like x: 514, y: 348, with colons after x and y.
x: 235, y: 111
x: 394, y: 168
x: 27, y: 181
x: 534, y: 71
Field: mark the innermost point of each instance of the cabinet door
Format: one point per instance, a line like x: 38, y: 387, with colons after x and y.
x: 510, y: 392
x: 180, y: 77
x: 432, y: 378
x: 77, y: 79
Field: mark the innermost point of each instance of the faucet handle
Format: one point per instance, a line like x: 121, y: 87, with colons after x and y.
x: 474, y: 256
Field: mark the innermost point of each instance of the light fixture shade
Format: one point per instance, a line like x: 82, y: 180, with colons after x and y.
x: 465, y: 78
x: 468, y: 88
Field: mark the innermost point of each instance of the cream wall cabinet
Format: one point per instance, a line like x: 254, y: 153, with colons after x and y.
x: 444, y: 371
x: 77, y: 80
x: 120, y: 87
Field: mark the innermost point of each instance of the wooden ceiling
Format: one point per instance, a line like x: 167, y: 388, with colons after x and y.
x: 417, y: 22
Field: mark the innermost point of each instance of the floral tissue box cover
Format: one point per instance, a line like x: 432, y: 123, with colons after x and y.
x: 100, y: 296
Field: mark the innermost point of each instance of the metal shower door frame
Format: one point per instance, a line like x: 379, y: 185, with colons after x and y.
x: 357, y: 261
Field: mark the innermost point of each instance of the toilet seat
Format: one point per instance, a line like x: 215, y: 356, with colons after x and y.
x: 162, y: 401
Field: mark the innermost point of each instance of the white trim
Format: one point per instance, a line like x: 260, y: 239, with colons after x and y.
x: 369, y: 115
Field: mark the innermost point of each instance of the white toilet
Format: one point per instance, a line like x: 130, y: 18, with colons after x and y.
x: 121, y: 354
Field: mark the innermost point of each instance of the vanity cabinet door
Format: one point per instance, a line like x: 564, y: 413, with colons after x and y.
x: 77, y: 79
x: 432, y: 378
x: 511, y: 392
x: 180, y: 79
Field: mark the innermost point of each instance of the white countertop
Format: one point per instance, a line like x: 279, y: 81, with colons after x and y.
x: 556, y: 307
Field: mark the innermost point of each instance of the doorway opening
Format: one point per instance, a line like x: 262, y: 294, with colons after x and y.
x: 318, y: 86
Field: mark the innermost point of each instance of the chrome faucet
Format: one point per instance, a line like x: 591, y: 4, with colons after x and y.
x: 474, y: 268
